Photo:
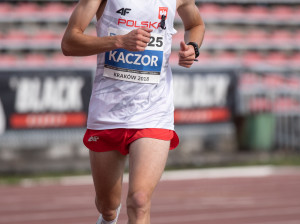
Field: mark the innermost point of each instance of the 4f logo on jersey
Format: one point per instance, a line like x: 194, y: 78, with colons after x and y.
x: 123, y: 11
x: 163, y: 11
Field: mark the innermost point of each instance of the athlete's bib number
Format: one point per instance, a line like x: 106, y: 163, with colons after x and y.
x: 158, y: 42
x: 140, y: 66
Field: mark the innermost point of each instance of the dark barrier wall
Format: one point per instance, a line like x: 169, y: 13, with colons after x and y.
x: 35, y: 99
x: 32, y: 99
x: 204, y: 96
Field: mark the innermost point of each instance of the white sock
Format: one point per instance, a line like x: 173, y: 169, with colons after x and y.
x: 112, y: 221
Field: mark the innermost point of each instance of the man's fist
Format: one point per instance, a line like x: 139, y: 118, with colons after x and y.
x: 136, y: 40
x: 186, y: 55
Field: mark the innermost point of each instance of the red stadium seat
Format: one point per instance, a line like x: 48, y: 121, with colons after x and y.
x: 296, y: 35
x: 293, y: 82
x: 69, y: 8
x: 210, y: 38
x: 227, y: 58
x: 252, y: 58
x: 257, y: 12
x: 282, y: 12
x: 26, y: 8
x: 273, y: 80
x: 59, y: 59
x: 205, y: 59
x: 209, y: 10
x: 232, y: 36
x: 16, y: 35
x: 46, y: 35
x: 35, y: 60
x: 8, y: 60
x: 5, y: 8
x: 294, y: 60
x: 179, y: 36
x: 257, y: 104
x: 54, y: 8
x: 87, y: 61
x: 282, y: 36
x: 277, y: 59
x: 257, y: 36
x: 173, y: 60
x: 285, y: 104
x: 249, y: 80
x: 233, y: 12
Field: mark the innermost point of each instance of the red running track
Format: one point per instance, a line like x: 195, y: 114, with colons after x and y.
x: 274, y: 199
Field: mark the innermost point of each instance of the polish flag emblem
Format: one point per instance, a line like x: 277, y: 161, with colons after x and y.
x: 162, y: 11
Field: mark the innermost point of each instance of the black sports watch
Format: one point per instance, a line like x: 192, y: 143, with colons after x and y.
x: 196, y: 48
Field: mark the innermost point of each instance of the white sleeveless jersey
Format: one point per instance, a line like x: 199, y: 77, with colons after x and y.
x: 134, y: 89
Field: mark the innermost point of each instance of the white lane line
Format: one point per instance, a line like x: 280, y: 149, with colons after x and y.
x: 189, y: 174
x: 192, y: 174
x: 228, y: 172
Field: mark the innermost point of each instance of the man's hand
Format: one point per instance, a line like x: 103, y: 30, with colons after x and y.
x: 136, y: 40
x: 186, y: 55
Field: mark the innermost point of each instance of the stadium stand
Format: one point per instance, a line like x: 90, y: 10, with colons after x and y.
x: 248, y: 35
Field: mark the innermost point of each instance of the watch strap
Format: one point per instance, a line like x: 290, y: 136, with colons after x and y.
x: 196, y: 48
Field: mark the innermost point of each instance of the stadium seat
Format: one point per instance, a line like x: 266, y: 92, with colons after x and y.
x: 16, y: 35
x: 273, y: 80
x: 34, y: 60
x: 204, y: 59
x: 233, y: 12
x: 209, y: 10
x: 249, y: 80
x: 26, y: 8
x: 257, y: 36
x: 282, y: 12
x: 58, y: 59
x: 296, y: 35
x: 173, y: 60
x: 294, y: 60
x: 87, y: 61
x: 210, y: 38
x: 293, y: 82
x: 260, y: 103
x: 277, y: 59
x: 282, y: 36
x: 257, y: 12
x: 69, y: 8
x: 282, y: 104
x: 227, y: 58
x: 53, y: 8
x: 46, y: 35
x: 179, y: 36
x: 5, y: 9
x: 252, y: 58
x: 8, y: 60
x: 232, y: 36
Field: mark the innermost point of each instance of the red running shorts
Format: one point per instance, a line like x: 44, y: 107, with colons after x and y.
x: 120, y: 139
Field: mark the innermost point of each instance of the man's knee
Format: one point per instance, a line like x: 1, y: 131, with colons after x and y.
x: 139, y: 202
x: 107, y: 208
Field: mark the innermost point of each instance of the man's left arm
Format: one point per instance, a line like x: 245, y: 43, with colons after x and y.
x: 194, y: 31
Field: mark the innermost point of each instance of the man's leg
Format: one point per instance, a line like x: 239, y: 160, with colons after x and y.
x: 147, y: 159
x: 107, y: 170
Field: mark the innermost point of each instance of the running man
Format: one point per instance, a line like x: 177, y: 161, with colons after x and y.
x: 131, y: 108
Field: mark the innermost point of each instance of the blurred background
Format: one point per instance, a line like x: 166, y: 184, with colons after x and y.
x: 238, y: 105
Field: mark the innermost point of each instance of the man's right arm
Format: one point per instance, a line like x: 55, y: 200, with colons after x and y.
x: 76, y: 43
